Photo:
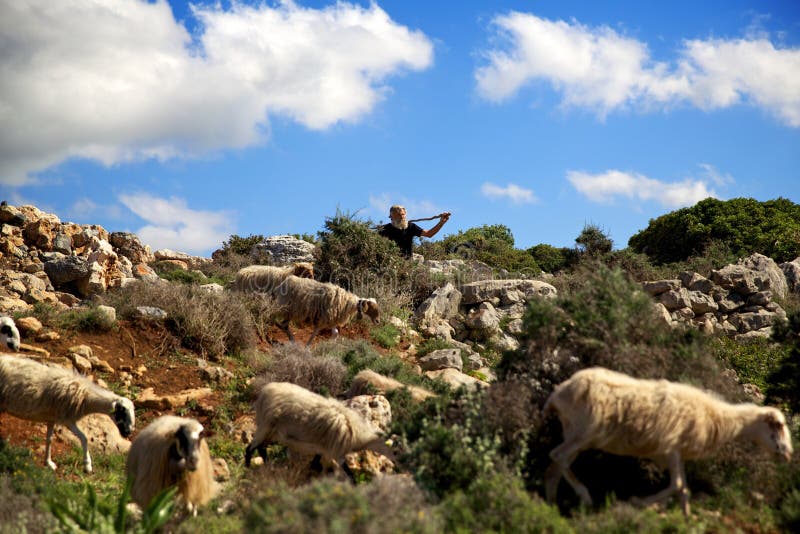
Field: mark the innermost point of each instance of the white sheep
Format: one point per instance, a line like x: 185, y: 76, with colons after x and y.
x: 42, y: 393
x: 310, y: 424
x: 9, y: 335
x: 265, y: 278
x: 171, y: 451
x: 368, y: 379
x: 665, y: 421
x: 321, y: 305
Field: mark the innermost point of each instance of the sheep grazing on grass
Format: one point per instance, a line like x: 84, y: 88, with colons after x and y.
x: 266, y: 278
x: 665, y: 421
x: 310, y: 424
x: 367, y: 381
x: 169, y: 452
x: 9, y: 335
x: 308, y: 302
x: 37, y: 392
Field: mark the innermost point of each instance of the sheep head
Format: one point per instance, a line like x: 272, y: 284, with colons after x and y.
x: 772, y: 433
x: 369, y: 307
x: 9, y: 335
x: 303, y: 269
x: 124, y: 416
x: 187, y: 445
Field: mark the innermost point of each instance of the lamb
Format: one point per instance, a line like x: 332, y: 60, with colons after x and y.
x: 368, y: 379
x: 665, y: 421
x: 9, y: 335
x: 321, y: 305
x: 171, y: 451
x: 266, y: 278
x: 37, y: 392
x: 310, y: 424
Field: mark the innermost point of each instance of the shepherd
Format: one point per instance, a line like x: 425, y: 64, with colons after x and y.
x: 402, y: 231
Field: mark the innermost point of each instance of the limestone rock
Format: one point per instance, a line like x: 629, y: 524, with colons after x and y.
x: 374, y: 408
x: 149, y: 399
x: 433, y: 314
x: 284, y: 249
x: 442, y: 359
x: 505, y: 291
x: 101, y: 433
x: 767, y: 266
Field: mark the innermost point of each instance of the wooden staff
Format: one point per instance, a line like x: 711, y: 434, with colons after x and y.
x: 427, y: 218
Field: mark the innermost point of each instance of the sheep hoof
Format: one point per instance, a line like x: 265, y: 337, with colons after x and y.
x: 52, y: 465
x: 87, y: 467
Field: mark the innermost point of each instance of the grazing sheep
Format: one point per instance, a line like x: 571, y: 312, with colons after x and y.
x: 37, y: 392
x: 367, y: 379
x: 266, y: 278
x: 171, y: 451
x: 9, y: 335
x: 665, y: 421
x: 308, y: 302
x: 310, y: 424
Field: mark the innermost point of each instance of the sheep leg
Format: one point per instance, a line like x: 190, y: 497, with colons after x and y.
x: 677, y: 484
x: 87, y: 459
x: 562, y: 457
x: 47, y: 447
x: 257, y: 444
x: 285, y: 327
x: 313, y: 334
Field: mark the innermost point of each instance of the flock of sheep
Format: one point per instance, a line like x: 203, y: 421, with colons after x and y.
x: 598, y: 409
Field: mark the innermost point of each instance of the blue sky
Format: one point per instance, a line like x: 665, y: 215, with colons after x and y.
x: 186, y: 123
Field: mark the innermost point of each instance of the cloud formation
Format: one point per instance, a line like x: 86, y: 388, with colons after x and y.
x: 121, y: 80
x: 513, y: 192
x: 612, y: 184
x: 172, y: 224
x: 599, y: 69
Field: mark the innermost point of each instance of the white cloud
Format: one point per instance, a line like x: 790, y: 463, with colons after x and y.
x: 415, y: 209
x: 608, y: 186
x: 121, y: 80
x: 513, y: 192
x: 82, y: 208
x: 175, y: 226
x: 600, y: 69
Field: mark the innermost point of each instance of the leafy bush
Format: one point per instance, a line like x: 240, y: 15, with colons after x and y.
x: 593, y: 241
x: 784, y: 381
x: 387, y: 504
x: 498, y: 502
x: 387, y: 336
x: 241, y: 245
x: 552, y: 259
x: 744, y: 225
x: 491, y: 244
x: 753, y: 360
x: 213, y: 324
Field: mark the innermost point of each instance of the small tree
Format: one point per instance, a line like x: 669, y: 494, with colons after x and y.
x: 593, y: 242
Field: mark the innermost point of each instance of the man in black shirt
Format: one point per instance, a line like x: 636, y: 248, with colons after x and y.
x: 403, y: 232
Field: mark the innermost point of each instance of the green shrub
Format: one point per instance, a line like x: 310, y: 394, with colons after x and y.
x: 753, y: 360
x: 387, y: 504
x: 432, y: 344
x: 552, y: 259
x: 387, y: 336
x: 744, y: 225
x: 491, y: 244
x: 498, y: 502
x: 621, y: 518
x: 241, y: 245
x: 784, y: 381
x: 84, y: 319
x: 593, y: 241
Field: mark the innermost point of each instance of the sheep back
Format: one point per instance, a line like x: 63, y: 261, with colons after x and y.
x: 44, y: 393
x: 323, y: 305
x: 367, y: 379
x: 311, y: 423
x: 647, y: 418
x: 266, y: 278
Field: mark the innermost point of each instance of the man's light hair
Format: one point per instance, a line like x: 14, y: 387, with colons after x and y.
x: 396, y: 208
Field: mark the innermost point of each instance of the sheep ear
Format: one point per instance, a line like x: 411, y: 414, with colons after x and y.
x: 5, y: 329
x: 773, y: 421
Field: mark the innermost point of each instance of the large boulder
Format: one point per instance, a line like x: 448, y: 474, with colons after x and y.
x: 432, y: 316
x: 791, y: 270
x: 129, y: 245
x: 764, y: 264
x: 284, y: 249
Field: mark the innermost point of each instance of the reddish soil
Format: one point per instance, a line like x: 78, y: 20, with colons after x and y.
x: 170, y: 368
